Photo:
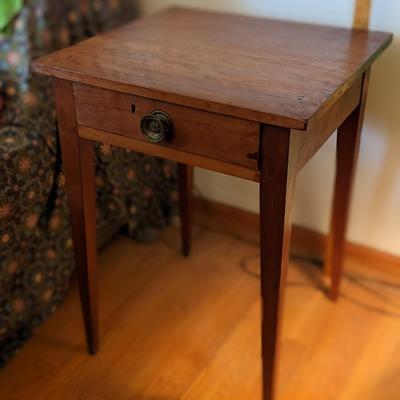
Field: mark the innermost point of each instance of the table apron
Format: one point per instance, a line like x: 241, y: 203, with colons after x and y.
x: 168, y: 153
x: 216, y: 136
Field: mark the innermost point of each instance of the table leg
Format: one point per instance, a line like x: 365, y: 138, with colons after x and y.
x: 185, y: 183
x: 276, y: 193
x: 78, y: 162
x: 348, y: 141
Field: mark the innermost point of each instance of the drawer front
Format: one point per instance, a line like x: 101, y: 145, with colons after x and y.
x: 210, y: 135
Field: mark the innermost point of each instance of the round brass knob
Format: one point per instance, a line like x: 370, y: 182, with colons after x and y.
x: 157, y: 126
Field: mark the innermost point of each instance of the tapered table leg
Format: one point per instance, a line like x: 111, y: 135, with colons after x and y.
x: 78, y: 161
x: 276, y: 192
x: 348, y: 141
x: 185, y: 182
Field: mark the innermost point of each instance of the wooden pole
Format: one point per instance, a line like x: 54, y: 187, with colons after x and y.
x: 361, y: 14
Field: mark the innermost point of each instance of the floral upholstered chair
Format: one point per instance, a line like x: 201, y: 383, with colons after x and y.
x: 36, y: 255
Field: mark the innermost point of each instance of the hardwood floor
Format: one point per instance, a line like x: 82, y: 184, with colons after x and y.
x: 189, y: 328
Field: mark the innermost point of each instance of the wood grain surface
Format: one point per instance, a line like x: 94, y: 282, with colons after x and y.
x: 219, y: 76
x: 78, y: 160
x: 278, y: 173
x: 276, y: 72
x: 215, y: 136
x: 348, y: 144
x: 171, y: 330
x: 168, y: 153
x: 185, y: 186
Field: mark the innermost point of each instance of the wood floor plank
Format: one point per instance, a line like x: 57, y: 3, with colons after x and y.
x: 167, y: 319
x: 379, y: 366
x: 175, y: 328
x: 60, y: 344
x: 235, y: 371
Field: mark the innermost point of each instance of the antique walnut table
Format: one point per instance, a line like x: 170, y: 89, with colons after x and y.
x: 248, y: 97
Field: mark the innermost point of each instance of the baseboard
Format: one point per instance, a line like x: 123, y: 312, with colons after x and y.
x: 306, y: 242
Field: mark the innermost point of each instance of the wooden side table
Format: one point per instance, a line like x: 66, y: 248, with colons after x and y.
x: 249, y: 97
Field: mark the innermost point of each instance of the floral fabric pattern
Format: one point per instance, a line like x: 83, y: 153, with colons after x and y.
x: 36, y: 252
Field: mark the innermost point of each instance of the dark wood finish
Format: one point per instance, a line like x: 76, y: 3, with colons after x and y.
x: 348, y: 142
x: 207, y: 134
x: 239, y: 90
x: 89, y: 269
x: 185, y: 183
x: 276, y: 195
x: 78, y: 162
x: 276, y: 72
x: 326, y: 122
x: 169, y: 153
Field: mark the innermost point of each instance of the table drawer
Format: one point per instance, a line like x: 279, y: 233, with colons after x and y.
x: 207, y: 134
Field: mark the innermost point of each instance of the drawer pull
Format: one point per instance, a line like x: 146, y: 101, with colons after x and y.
x: 157, y: 126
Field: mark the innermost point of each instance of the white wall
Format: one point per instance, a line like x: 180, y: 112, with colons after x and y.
x: 375, y: 214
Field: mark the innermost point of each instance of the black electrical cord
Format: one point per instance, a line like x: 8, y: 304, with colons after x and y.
x: 362, y: 282
x: 355, y: 279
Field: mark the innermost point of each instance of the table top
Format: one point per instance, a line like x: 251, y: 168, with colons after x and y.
x: 270, y: 71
